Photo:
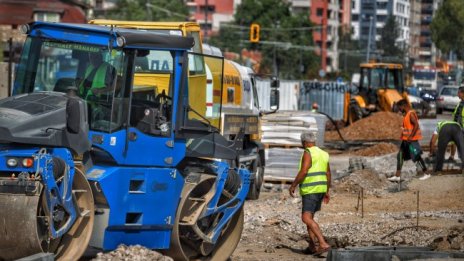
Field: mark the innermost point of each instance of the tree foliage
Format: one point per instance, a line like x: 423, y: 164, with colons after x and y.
x: 150, y: 10
x: 447, y: 27
x: 391, y: 32
x: 276, y: 22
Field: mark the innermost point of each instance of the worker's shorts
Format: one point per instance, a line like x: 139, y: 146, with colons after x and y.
x: 411, y: 150
x: 312, y: 202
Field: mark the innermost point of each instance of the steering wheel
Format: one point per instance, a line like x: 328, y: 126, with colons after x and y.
x: 162, y: 95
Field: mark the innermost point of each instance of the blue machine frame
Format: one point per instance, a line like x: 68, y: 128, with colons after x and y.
x: 142, y: 190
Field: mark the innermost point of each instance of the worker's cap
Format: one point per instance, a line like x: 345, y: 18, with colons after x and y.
x: 308, y: 136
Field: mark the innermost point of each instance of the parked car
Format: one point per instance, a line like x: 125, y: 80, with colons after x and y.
x: 447, y: 98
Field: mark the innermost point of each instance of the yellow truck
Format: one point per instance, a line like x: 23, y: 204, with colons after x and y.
x: 240, y: 116
x: 380, y: 87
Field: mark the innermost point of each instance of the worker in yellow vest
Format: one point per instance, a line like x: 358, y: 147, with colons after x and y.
x: 458, y: 113
x: 446, y: 132
x: 98, y: 77
x: 314, y: 180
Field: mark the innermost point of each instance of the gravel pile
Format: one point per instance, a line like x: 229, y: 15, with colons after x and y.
x: 379, y: 126
x: 371, y: 182
x: 131, y: 253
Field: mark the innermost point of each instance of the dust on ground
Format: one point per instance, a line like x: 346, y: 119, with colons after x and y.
x: 379, y: 126
x: 274, y: 231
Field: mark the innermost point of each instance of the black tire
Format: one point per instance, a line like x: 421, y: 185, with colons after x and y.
x: 256, y: 181
x: 355, y: 113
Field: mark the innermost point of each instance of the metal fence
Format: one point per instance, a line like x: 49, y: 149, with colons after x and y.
x: 288, y: 94
x: 330, y: 96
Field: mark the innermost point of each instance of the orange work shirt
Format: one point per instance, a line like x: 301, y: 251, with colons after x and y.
x: 408, y: 127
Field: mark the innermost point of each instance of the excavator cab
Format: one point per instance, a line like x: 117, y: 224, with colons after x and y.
x: 90, y: 157
x: 381, y: 85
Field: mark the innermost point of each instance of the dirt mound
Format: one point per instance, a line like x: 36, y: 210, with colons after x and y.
x: 371, y: 182
x: 377, y: 150
x: 379, y: 126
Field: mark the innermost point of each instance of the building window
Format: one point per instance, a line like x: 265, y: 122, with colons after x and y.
x: 211, y: 8
x: 382, y: 5
x: 319, y: 12
x: 47, y: 17
x: 355, y: 18
x: 381, y: 18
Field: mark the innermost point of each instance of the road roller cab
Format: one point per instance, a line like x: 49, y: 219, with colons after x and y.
x: 89, y: 157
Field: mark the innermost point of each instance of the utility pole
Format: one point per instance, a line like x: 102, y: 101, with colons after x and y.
x: 149, y: 11
x: 206, y: 22
x: 369, y: 40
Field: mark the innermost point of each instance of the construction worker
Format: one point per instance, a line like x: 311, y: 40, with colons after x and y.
x: 447, y: 131
x: 458, y: 113
x: 410, y: 136
x: 314, y: 180
x: 98, y: 77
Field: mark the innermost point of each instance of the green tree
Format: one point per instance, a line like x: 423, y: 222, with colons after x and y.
x: 390, y: 32
x: 150, y: 10
x: 351, y: 54
x: 447, y: 25
x: 294, y: 57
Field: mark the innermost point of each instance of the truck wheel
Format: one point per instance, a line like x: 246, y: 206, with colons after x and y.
x: 257, y: 181
x: 355, y: 113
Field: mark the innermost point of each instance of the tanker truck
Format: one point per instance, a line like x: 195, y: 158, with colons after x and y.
x: 126, y: 163
x: 240, y: 105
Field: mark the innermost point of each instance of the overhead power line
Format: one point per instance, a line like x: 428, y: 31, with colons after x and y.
x: 167, y: 11
x: 276, y: 28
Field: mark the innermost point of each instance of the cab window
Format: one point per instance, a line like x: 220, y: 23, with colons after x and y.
x: 151, y: 103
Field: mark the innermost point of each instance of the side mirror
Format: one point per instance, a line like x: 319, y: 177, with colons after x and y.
x: 274, y: 99
x: 73, y: 116
x: 275, y: 83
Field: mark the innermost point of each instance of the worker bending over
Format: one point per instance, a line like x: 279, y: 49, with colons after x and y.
x: 446, y: 132
x: 410, y: 136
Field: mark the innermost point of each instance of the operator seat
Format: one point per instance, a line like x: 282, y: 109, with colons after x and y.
x: 62, y: 84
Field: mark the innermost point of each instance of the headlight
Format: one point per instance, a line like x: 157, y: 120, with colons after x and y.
x: 12, y: 163
x: 28, y: 162
x: 24, y: 28
x: 120, y: 41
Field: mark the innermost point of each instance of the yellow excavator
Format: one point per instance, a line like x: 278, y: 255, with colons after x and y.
x: 381, y: 86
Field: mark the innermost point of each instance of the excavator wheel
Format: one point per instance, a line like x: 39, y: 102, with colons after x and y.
x: 355, y: 113
x: 185, y: 243
x: 24, y: 224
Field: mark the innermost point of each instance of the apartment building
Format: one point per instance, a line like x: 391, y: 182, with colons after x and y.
x: 369, y: 17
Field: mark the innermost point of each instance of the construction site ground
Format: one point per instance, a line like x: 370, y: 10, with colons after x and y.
x: 274, y: 231
x: 385, y: 216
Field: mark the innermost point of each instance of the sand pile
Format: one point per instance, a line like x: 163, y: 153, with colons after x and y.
x: 379, y: 126
x: 377, y: 150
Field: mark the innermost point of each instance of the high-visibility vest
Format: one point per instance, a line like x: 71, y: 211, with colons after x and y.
x: 98, y: 80
x: 462, y: 114
x: 443, y: 123
x: 408, y: 127
x: 316, y: 178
